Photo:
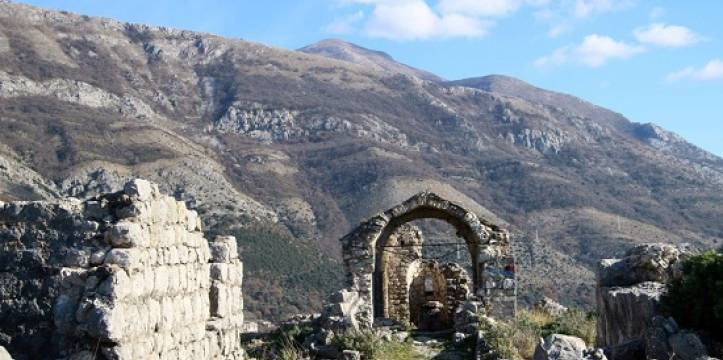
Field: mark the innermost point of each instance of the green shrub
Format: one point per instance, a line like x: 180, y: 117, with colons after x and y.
x: 286, y: 342
x: 574, y: 322
x: 695, y: 300
x: 365, y: 341
x: 500, y: 337
x: 518, y: 338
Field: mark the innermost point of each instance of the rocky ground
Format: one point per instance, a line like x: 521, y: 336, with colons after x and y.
x: 289, y: 150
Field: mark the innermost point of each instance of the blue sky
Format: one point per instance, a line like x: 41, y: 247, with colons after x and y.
x: 653, y: 61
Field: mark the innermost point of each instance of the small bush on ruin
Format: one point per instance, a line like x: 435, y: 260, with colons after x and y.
x: 366, y: 342
x: 693, y: 299
x: 518, y: 338
x: 285, y: 343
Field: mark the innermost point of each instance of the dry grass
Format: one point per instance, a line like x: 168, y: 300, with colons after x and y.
x: 517, y: 339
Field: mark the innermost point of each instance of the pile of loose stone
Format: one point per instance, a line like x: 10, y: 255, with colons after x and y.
x: 127, y: 275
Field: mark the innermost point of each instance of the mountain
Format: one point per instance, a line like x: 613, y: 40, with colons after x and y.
x: 371, y: 59
x: 289, y: 151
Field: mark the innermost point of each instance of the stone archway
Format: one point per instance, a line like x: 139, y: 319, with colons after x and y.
x: 493, y: 273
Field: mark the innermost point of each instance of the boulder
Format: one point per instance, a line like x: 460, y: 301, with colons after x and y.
x: 664, y: 339
x: 560, y: 347
x: 625, y: 313
x: 4, y: 354
x: 656, y: 337
x: 646, y: 262
x: 350, y: 355
x: 687, y: 346
x: 594, y: 354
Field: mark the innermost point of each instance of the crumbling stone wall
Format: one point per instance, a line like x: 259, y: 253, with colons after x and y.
x: 405, y: 249
x: 488, y: 245
x: 432, y: 281
x: 122, y: 276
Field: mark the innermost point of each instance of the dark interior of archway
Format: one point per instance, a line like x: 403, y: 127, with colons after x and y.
x: 423, y: 215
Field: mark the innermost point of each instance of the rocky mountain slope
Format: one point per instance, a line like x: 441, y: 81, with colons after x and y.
x: 289, y: 150
x: 370, y: 59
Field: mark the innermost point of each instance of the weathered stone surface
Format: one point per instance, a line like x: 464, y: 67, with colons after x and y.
x: 628, y: 297
x: 139, y: 283
x: 625, y: 312
x: 342, y: 311
x: 350, y: 355
x: 467, y: 317
x: 687, y: 346
x: 493, y: 276
x: 4, y: 354
x: 560, y: 347
x: 663, y: 340
x: 646, y: 262
x: 138, y: 188
x: 594, y: 354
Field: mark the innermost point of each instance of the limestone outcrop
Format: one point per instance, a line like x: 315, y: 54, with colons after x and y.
x: 630, y: 325
x: 127, y: 275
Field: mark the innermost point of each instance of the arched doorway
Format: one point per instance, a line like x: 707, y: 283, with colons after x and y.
x: 488, y: 247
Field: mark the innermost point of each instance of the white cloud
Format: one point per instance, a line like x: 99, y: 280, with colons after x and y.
x: 415, y: 20
x: 480, y: 8
x: 594, y: 51
x: 427, y: 19
x: 563, y: 15
x: 345, y: 24
x: 557, y: 57
x: 667, y: 35
x: 711, y: 71
x: 586, y: 8
x: 559, y: 29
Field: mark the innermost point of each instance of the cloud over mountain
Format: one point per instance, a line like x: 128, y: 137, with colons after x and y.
x: 667, y: 35
x: 594, y: 51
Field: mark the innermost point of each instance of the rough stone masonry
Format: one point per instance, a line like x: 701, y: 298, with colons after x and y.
x: 126, y: 275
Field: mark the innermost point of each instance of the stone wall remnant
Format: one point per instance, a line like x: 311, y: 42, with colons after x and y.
x: 492, y: 260
x: 127, y: 275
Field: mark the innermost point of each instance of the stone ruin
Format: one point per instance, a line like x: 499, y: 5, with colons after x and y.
x: 127, y: 275
x: 410, y: 282
x: 631, y: 322
x: 401, y: 287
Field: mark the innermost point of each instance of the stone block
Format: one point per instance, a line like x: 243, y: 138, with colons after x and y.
x: 139, y: 189
x: 127, y: 234
x: 219, y: 298
x: 220, y: 272
x: 191, y: 220
x: 223, y: 249
x: 626, y: 312
x: 125, y: 258
x: 77, y: 258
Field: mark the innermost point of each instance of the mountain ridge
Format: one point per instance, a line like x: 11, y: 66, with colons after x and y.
x: 342, y: 50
